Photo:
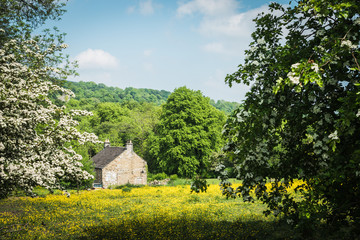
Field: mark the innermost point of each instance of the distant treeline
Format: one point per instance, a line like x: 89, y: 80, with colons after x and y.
x: 103, y: 93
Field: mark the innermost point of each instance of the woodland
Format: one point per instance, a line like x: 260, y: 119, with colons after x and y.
x: 139, y: 115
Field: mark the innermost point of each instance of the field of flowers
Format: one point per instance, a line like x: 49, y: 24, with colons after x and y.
x: 166, y: 212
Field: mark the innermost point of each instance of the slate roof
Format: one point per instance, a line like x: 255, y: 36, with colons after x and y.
x: 106, y: 156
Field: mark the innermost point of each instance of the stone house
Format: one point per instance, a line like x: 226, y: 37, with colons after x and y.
x: 119, y: 166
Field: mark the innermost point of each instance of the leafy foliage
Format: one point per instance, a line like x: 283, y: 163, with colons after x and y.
x: 301, y: 118
x: 157, y: 176
x: 189, y: 130
x: 198, y: 185
x: 119, y: 122
x: 225, y: 106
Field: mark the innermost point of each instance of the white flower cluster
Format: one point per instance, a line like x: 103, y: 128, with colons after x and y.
x: 33, y: 130
x: 294, y: 78
x: 348, y: 44
x: 64, y: 45
x: 334, y: 135
x: 261, y: 41
x: 315, y: 67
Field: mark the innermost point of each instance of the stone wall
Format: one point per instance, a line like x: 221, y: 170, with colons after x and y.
x: 126, y: 168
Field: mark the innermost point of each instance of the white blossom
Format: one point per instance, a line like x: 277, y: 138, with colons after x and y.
x: 295, y: 65
x: 253, y: 48
x: 293, y: 78
x: 334, y: 135
x: 348, y: 43
x: 64, y: 45
x: 261, y: 41
x: 315, y: 67
x: 30, y: 156
x: 256, y: 63
x: 261, y: 56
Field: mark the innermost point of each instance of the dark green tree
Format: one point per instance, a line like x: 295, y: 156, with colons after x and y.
x: 301, y: 118
x: 189, y: 130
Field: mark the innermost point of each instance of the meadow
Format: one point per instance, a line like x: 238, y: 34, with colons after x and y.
x: 163, y: 212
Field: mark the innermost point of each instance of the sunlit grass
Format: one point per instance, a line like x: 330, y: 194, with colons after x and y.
x: 166, y: 212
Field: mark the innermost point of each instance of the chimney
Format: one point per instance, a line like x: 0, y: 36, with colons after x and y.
x: 129, y: 146
x: 106, y: 143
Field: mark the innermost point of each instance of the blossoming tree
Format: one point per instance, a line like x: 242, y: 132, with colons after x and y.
x: 35, y: 134
x: 301, y: 118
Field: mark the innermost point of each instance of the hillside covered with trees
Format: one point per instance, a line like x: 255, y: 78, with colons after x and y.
x: 102, y: 93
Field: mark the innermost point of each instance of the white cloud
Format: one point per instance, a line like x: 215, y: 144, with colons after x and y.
x: 146, y: 7
x: 227, y: 28
x: 214, y: 47
x: 96, y: 59
x: 131, y: 9
x: 148, y: 67
x: 148, y: 52
x: 236, y: 25
x: 208, y: 7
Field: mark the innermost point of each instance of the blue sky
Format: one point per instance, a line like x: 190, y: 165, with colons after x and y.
x: 161, y: 44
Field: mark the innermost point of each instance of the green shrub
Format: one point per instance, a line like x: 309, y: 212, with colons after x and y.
x: 149, y: 176
x: 41, y: 192
x: 180, y: 181
x: 126, y: 189
x: 231, y: 172
x: 173, y: 177
x: 128, y: 185
x: 159, y: 176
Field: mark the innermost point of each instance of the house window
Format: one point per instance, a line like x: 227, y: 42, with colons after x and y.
x: 97, y: 185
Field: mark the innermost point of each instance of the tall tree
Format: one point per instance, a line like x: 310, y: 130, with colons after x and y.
x: 301, y: 118
x: 35, y: 135
x: 20, y: 17
x: 189, y: 130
